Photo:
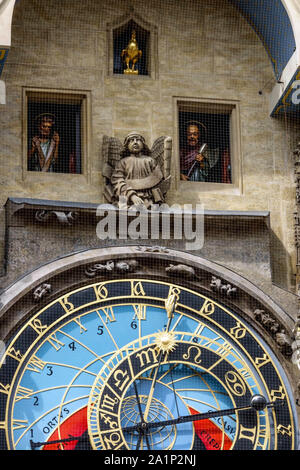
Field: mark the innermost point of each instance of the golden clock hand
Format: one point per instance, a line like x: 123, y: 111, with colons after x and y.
x: 170, y: 303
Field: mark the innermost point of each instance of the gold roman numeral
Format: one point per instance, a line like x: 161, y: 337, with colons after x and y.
x: 4, y: 388
x: 78, y: 322
x: 109, y: 314
x: 16, y: 424
x: 23, y: 393
x: 56, y: 343
x: 139, y: 311
x: 36, y: 364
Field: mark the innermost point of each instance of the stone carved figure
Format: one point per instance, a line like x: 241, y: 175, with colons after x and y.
x: 43, y: 154
x: 296, y: 343
x: 135, y: 174
x: 200, y: 163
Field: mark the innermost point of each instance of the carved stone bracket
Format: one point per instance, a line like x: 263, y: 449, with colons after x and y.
x: 41, y: 291
x: 272, y: 326
x: 110, y: 267
x: 152, y: 249
x: 217, y: 285
x: 64, y: 218
x: 181, y: 270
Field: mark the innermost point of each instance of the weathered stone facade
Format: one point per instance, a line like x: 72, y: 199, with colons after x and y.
x: 48, y: 239
x: 209, y: 52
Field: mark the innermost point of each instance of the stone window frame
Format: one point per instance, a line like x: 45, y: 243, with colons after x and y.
x: 213, y: 105
x: 60, y: 96
x: 153, y: 46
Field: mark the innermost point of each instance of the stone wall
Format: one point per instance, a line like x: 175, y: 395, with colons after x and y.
x: 205, y: 50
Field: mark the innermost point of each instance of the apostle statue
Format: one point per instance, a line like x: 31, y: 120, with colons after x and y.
x: 199, y: 162
x: 133, y: 172
x: 43, y: 154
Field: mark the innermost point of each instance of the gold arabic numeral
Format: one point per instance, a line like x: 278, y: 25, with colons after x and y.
x: 140, y: 311
x: 78, y: 322
x: 197, y: 354
x: 285, y: 430
x: 112, y: 441
x: 23, y: 393
x: 108, y: 420
x: 56, y: 343
x: 67, y: 306
x: 144, y: 356
x: 36, y: 364
x: 278, y: 394
x: 121, y: 379
x: 247, y: 433
x: 109, y: 314
x: 261, y: 361
x: 101, y: 291
x: 238, y: 331
x: 4, y: 388
x: 137, y: 289
x: 207, y: 308
x: 37, y: 325
x: 235, y: 384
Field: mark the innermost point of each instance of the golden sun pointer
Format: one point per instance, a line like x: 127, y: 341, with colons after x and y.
x: 165, y: 341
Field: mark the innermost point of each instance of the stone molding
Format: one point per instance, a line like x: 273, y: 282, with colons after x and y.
x: 51, y: 280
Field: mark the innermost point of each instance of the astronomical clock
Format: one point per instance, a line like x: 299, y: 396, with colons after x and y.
x: 142, y: 362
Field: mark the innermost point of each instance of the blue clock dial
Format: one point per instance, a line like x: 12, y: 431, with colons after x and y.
x: 79, y: 374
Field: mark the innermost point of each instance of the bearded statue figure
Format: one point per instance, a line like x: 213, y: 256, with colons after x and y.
x: 134, y: 173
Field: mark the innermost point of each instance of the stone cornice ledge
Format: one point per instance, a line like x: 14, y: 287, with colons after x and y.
x: 14, y: 205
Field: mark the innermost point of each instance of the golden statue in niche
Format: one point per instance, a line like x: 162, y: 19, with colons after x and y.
x: 131, y: 54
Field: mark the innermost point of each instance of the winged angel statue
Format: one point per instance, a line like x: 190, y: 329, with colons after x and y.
x: 135, y: 174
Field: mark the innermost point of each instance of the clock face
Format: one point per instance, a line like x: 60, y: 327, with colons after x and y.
x: 139, y: 364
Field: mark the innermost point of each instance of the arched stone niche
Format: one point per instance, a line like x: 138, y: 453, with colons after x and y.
x: 119, y: 34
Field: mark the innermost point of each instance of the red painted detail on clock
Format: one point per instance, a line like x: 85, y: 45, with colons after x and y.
x: 210, y: 434
x: 75, y: 425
